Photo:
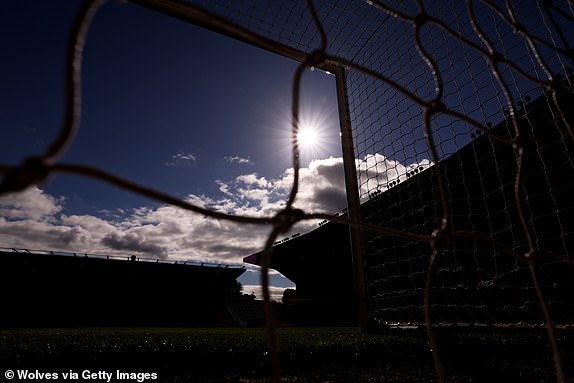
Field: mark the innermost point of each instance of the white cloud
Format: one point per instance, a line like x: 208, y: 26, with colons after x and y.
x: 276, y: 292
x: 34, y: 219
x: 253, y: 179
x: 239, y: 160
x: 321, y: 187
x: 31, y: 203
x: 180, y: 158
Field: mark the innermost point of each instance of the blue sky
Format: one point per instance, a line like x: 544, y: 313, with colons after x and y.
x: 165, y: 104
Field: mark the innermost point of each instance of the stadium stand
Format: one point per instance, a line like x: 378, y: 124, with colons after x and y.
x: 320, y: 265
x: 66, y: 289
x: 246, y: 311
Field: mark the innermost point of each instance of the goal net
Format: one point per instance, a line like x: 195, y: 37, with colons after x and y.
x: 462, y: 127
x: 457, y: 124
x: 462, y: 139
x: 482, y: 175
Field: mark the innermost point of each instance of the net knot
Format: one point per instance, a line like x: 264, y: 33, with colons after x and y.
x: 557, y: 83
x: 285, y: 219
x: 436, y: 106
x: 520, y: 29
x: 421, y: 19
x: 441, y: 239
x: 533, y: 256
x: 316, y: 57
x: 518, y: 142
x: 496, y: 57
x: 32, y: 171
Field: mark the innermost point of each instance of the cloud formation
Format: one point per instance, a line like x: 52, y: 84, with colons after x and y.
x: 181, y: 158
x: 36, y: 220
x: 31, y: 204
x: 239, y: 160
x: 133, y: 242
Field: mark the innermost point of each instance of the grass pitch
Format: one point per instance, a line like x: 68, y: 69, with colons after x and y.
x: 306, y: 354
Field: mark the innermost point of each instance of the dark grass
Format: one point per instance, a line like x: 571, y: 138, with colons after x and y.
x: 306, y: 354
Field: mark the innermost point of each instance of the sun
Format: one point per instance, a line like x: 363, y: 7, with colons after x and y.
x: 313, y: 138
x: 316, y: 134
x: 308, y: 137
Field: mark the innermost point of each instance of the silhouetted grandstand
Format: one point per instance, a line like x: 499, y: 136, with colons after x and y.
x: 319, y: 263
x: 66, y: 289
x: 480, y: 278
x: 247, y: 311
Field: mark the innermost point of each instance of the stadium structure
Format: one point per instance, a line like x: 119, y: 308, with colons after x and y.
x: 482, y: 277
x: 320, y: 265
x: 69, y: 289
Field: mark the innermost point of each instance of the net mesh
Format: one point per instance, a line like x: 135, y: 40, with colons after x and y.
x: 450, y: 88
x: 475, y: 278
x: 462, y: 137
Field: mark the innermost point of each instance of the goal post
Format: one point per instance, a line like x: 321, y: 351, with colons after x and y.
x: 353, y: 203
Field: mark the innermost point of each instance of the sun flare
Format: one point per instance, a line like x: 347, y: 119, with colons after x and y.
x: 316, y: 134
x: 308, y: 137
